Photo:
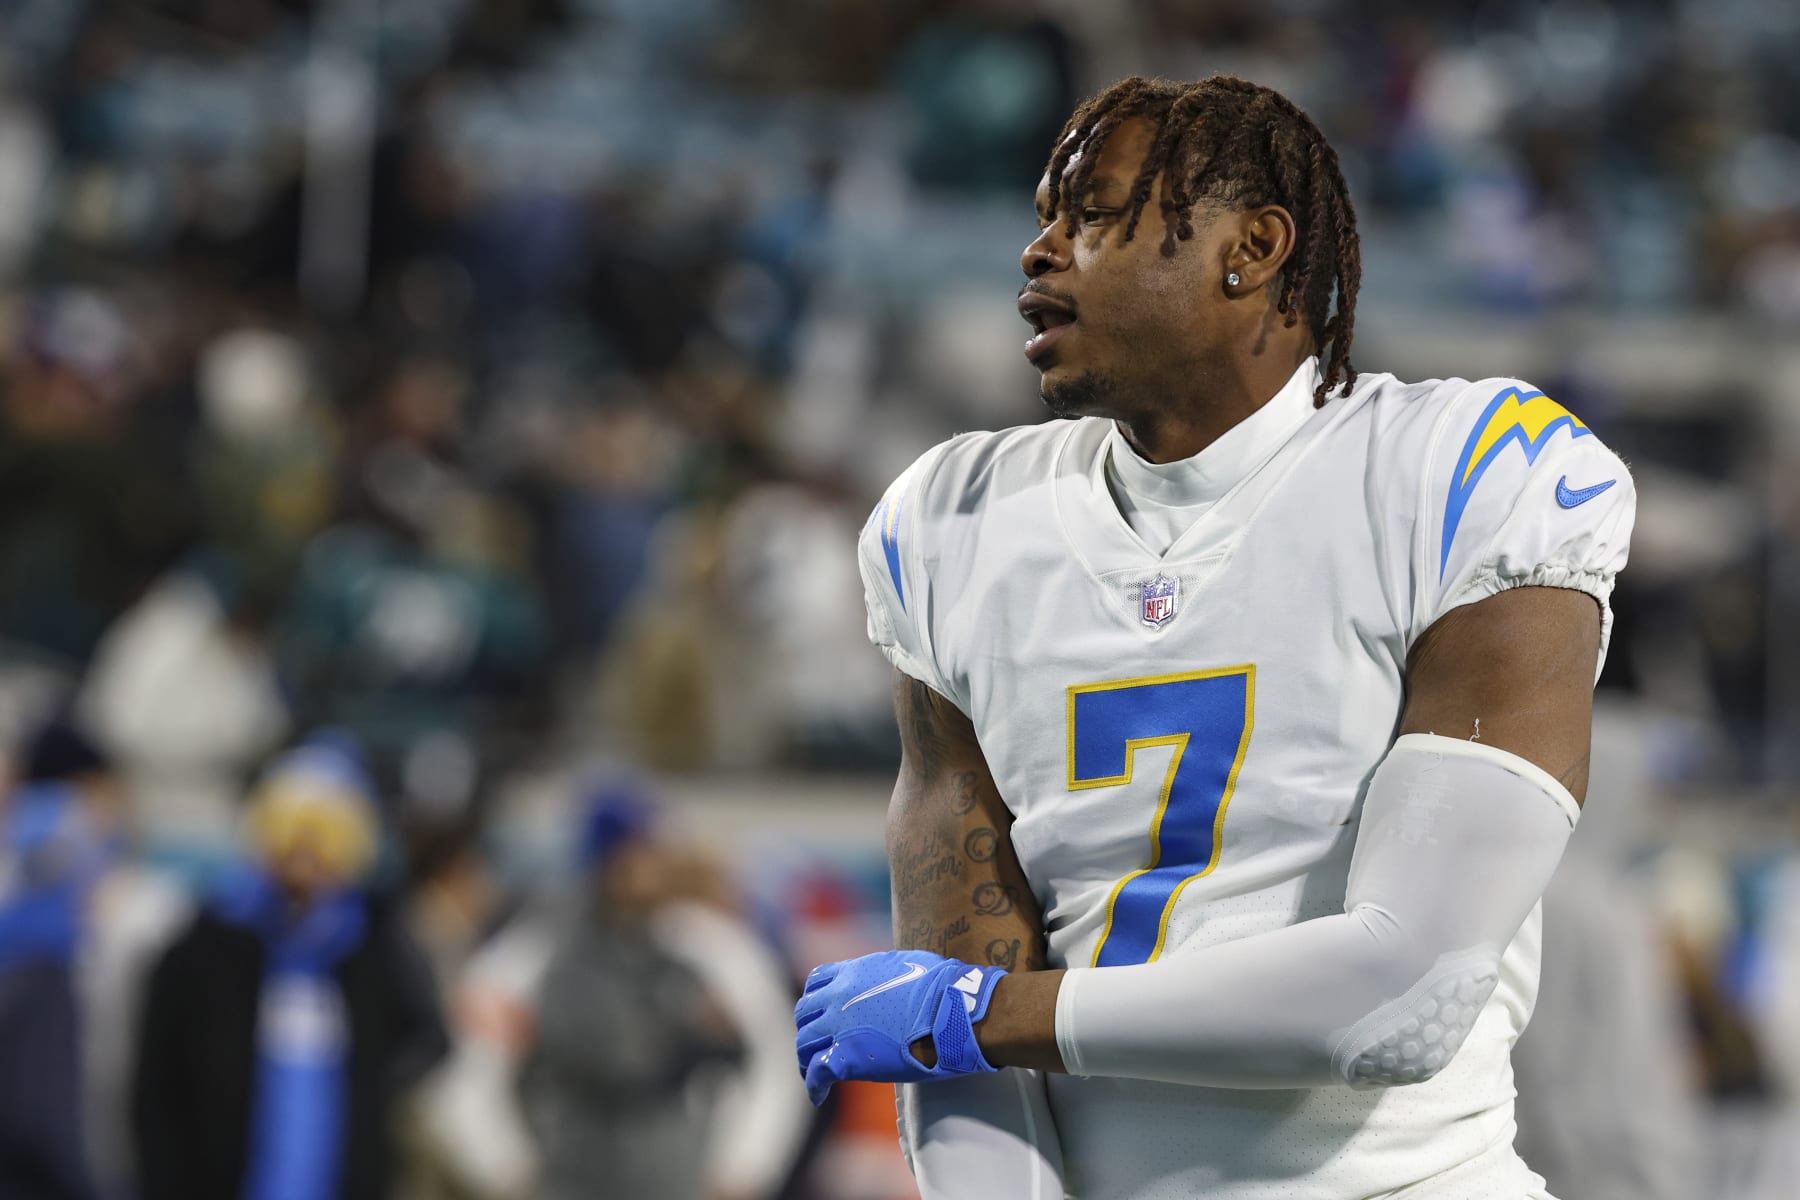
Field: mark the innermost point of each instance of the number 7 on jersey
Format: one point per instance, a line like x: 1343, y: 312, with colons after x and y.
x: 1206, y: 717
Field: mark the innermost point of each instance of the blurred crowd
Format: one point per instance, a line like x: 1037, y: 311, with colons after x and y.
x: 582, y: 332
x: 291, y: 1025
x: 402, y: 402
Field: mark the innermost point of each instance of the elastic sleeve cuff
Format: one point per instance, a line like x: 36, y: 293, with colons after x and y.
x: 1065, y: 1020
x: 1433, y: 743
x: 1485, y: 583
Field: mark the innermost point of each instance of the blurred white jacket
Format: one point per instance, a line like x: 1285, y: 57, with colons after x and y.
x: 762, y: 1114
x: 469, y: 1109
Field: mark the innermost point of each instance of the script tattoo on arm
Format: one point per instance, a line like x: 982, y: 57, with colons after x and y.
x: 957, y: 885
x: 1002, y: 953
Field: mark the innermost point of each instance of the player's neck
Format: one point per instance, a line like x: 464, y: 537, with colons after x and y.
x: 1209, y: 407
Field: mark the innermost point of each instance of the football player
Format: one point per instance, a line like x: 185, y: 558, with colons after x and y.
x: 1245, y: 714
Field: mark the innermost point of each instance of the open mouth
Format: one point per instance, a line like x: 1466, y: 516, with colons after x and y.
x: 1049, y: 320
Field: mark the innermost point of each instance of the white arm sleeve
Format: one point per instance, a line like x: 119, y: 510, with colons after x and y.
x: 1457, y: 844
x: 981, y: 1137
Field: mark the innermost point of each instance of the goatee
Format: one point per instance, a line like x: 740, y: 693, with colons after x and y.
x: 1082, y: 396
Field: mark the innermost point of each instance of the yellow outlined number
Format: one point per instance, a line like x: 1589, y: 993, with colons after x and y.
x: 1206, y: 717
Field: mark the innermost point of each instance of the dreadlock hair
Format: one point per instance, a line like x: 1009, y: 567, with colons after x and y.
x: 1233, y: 143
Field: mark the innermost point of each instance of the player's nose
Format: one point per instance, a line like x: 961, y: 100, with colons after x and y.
x: 1048, y: 252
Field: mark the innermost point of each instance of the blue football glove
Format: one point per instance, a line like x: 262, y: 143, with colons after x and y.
x: 858, y: 1019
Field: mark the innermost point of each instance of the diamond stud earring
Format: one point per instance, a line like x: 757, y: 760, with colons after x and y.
x: 1232, y: 280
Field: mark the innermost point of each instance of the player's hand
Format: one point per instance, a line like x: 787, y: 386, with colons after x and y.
x: 858, y: 1019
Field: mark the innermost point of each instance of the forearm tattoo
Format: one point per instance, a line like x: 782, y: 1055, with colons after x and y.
x: 925, y: 935
x: 1004, y: 954
x: 958, y: 891
x: 993, y: 899
x: 922, y: 865
x: 968, y: 793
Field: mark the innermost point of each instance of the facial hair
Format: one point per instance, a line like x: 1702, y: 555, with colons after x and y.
x: 1085, y: 395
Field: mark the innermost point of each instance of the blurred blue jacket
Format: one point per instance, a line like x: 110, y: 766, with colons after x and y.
x: 49, y: 856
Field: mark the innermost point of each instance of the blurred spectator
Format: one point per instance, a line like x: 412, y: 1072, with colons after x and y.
x: 463, y: 1134
x: 617, y: 464
x: 468, y: 1132
x: 615, y: 1089
x: 88, y: 514
x: 785, y: 563
x: 763, y: 1117
x: 184, y: 692
x: 282, y: 1026
x: 414, y: 616
x: 265, y: 455
x: 130, y: 911
x: 681, y: 685
x: 55, y: 840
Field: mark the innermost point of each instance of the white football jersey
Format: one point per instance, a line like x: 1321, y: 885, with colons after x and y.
x: 1257, y: 667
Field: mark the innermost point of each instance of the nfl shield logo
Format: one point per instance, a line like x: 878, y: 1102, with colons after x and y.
x: 1160, y: 597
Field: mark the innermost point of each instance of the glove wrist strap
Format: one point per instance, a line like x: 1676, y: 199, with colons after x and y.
x: 953, y: 1031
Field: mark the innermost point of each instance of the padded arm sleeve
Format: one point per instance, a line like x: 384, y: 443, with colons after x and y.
x: 1458, y: 841
x: 981, y: 1137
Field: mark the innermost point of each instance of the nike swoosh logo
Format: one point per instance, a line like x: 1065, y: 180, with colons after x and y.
x: 913, y: 971
x: 1573, y: 497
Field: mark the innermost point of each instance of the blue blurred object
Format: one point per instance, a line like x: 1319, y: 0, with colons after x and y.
x: 1744, y: 958
x: 615, y: 812
x: 331, y: 755
x: 49, y: 855
x: 297, y: 1118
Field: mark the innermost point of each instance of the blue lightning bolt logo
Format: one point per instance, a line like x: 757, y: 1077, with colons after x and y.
x: 1528, y: 418
x: 888, y: 513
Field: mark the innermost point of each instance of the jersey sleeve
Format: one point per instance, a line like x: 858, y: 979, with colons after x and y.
x: 896, y: 587
x: 1519, y: 492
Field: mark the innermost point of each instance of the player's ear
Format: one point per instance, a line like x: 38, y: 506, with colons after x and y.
x: 1264, y: 239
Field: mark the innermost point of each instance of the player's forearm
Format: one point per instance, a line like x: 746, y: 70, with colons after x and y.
x: 958, y: 891
x: 951, y: 897
x: 1457, y: 844
x: 957, y: 886
x: 1262, y: 1012
x: 1256, y: 1013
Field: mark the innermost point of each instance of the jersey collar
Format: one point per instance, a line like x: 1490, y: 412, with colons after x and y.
x: 1208, y: 475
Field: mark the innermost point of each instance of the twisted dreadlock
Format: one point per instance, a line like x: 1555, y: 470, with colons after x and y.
x: 1236, y: 144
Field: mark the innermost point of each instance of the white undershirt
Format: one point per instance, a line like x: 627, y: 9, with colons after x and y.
x: 1160, y: 501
